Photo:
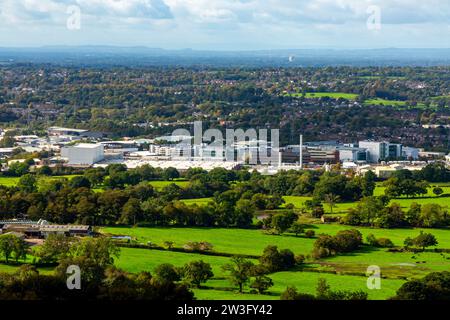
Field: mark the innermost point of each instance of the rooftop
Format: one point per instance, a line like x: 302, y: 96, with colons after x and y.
x: 66, y: 129
x: 87, y: 145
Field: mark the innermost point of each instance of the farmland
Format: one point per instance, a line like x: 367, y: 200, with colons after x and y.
x: 342, y: 272
x: 405, y: 203
x: 385, y: 102
x: 253, y: 241
x: 367, y: 102
x: 305, y: 282
x: 9, y: 268
x: 342, y: 207
x: 13, y: 181
x: 136, y: 260
x: 176, y: 234
x: 161, y: 184
x: 332, y: 95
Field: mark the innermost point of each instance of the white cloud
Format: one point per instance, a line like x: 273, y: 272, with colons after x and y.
x: 54, y: 11
x: 207, y: 22
x: 314, y: 11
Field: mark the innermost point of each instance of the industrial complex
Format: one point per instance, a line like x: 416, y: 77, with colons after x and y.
x: 83, y: 148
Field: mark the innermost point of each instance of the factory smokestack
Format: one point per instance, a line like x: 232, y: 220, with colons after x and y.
x: 301, y: 152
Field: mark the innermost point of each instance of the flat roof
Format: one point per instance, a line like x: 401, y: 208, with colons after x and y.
x: 117, y: 142
x: 87, y: 145
x: 66, y: 129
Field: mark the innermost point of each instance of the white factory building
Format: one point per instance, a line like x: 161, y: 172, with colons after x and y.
x: 410, y: 153
x: 351, y: 154
x: 381, y: 150
x: 180, y: 165
x: 83, y: 153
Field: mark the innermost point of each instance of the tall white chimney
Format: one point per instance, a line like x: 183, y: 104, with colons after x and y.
x: 279, y: 158
x: 301, y: 151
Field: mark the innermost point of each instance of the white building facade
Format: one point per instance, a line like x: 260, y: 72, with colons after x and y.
x: 83, y: 153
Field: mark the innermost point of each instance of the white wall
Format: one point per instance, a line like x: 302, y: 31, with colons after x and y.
x: 83, y: 155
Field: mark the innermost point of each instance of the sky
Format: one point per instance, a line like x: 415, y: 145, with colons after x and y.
x: 227, y: 24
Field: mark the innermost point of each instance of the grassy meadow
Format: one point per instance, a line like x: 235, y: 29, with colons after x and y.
x: 342, y: 272
x: 13, y: 181
x: 385, y: 102
x: 161, y: 184
x: 332, y: 95
x: 253, y: 241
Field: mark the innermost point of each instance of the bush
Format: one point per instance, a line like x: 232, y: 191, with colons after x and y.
x: 310, y: 233
x: 291, y: 293
x: 273, y: 260
x: 434, y: 286
x: 380, y: 242
x: 300, y: 259
x: 343, y: 241
x: 198, y: 246
x: 385, y: 243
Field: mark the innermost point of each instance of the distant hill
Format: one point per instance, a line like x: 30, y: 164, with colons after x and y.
x: 144, y: 56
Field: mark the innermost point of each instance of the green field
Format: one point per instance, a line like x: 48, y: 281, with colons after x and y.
x: 13, y: 268
x: 342, y: 207
x: 382, y: 77
x: 161, y: 184
x: 384, y: 102
x: 305, y: 282
x: 12, y: 181
x: 343, y: 272
x: 135, y: 260
x: 199, y: 201
x: 9, y: 181
x: 253, y: 241
x: 297, y: 201
x: 332, y: 95
x: 392, y: 264
x: 233, y: 241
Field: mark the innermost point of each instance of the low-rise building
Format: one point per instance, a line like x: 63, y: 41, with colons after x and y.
x: 381, y: 150
x: 348, y: 154
x: 42, y: 229
x: 83, y: 154
x: 61, y: 131
x: 410, y: 153
x: 431, y: 155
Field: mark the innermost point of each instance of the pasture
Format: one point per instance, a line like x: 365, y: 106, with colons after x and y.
x: 161, y: 184
x: 392, y: 264
x: 11, y: 268
x: 305, y: 282
x: 136, y: 260
x: 404, y: 202
x: 253, y: 241
x: 342, y: 272
x: 384, y: 102
x: 13, y: 181
x: 332, y: 95
x: 199, y: 201
x: 233, y: 241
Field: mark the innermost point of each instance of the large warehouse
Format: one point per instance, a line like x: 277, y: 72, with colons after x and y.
x: 83, y: 153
